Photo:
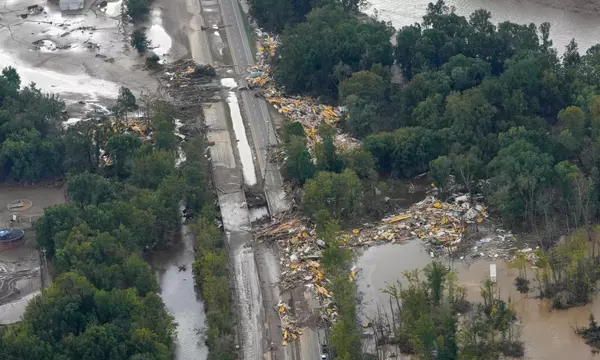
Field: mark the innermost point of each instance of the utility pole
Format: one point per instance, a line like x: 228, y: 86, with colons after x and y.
x: 45, y: 267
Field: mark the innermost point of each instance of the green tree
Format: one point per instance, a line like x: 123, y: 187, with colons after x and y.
x: 360, y: 161
x: 338, y: 194
x: 405, y: 152
x: 162, y: 121
x: 138, y: 10
x: 82, y: 143
x: 298, y: 165
x: 121, y: 148
x: 365, y: 85
x: 406, y: 53
x: 573, y: 119
x: 56, y: 218
x: 27, y: 157
x: 90, y: 189
x: 441, y: 170
x: 326, y: 153
x: 148, y: 171
x: 520, y: 171
x: 594, y: 111
x: 310, y: 51
x: 275, y: 15
x: 139, y: 40
x: 466, y: 72
x: 362, y: 116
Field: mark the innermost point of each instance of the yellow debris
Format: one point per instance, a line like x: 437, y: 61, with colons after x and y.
x: 353, y: 274
x: 437, y: 205
x: 400, y: 217
x: 479, y: 220
x: 355, y: 231
x: 313, y: 263
x: 322, y: 290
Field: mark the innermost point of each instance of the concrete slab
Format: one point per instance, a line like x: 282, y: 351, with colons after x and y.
x: 248, y: 292
x: 221, y: 152
x: 234, y: 211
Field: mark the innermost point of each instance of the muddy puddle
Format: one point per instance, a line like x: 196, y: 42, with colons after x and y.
x: 174, y: 270
x: 547, y: 334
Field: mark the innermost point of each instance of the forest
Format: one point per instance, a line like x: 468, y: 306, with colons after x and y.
x: 485, y: 108
x: 124, y: 198
x: 490, y: 108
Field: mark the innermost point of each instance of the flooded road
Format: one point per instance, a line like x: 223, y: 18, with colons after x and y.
x: 179, y: 295
x: 547, y: 334
x: 566, y: 25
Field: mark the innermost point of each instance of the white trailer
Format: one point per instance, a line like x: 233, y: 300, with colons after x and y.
x: 493, y: 272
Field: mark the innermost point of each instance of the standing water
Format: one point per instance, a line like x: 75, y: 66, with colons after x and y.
x: 566, y: 25
x: 177, y: 290
x: 547, y: 334
x: 174, y: 269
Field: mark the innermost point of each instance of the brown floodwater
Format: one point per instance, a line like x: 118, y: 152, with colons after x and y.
x: 547, y: 334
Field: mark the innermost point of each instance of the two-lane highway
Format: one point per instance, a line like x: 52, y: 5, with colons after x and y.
x: 257, y: 113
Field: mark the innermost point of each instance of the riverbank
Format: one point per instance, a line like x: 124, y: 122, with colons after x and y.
x: 566, y: 24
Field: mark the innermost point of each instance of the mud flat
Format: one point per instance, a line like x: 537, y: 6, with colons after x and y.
x: 21, y: 272
x: 81, y: 57
x: 547, y: 334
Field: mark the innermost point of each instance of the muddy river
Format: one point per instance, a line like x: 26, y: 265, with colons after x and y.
x: 566, y: 25
x: 547, y: 334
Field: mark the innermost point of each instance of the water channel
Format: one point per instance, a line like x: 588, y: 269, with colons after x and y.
x: 566, y: 25
x: 174, y: 270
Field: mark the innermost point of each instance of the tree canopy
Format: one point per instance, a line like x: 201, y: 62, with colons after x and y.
x: 312, y: 52
x: 124, y: 201
x: 492, y: 106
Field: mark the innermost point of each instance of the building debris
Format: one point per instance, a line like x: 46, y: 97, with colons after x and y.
x: 289, y: 326
x: 310, y: 113
x: 186, y: 82
x: 447, y: 229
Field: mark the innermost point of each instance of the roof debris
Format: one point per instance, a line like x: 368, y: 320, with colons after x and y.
x: 457, y: 229
x: 289, y: 327
x: 305, y: 110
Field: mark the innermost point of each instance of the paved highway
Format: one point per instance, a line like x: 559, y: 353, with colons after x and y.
x: 257, y: 113
x: 263, y: 135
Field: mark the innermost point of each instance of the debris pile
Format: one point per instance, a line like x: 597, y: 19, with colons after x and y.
x: 460, y: 229
x: 289, y: 328
x: 305, y: 110
x: 186, y: 72
x: 443, y: 227
x: 187, y: 82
